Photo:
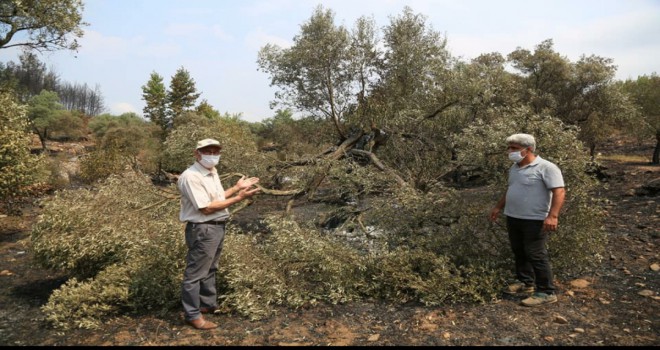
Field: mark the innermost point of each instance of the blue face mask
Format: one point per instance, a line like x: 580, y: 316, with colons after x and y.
x: 209, y: 160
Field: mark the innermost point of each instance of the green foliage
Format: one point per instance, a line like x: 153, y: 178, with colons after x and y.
x: 154, y: 95
x: 102, y: 124
x: 18, y: 168
x: 29, y: 77
x: 405, y: 275
x: 182, y: 93
x: 423, y: 241
x: 348, y: 181
x: 41, y: 24
x: 581, y: 94
x: 415, y: 63
x: 292, y: 266
x: 125, y: 140
x: 121, y: 244
x: 313, y: 73
x: 67, y: 126
x: 449, y: 223
x: 645, y: 92
x: 85, y: 304
x: 238, y: 144
x: 50, y: 120
x: 580, y: 237
x: 293, y: 138
x: 42, y: 111
x: 205, y: 109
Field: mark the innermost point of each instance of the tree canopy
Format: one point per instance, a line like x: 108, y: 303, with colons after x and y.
x: 42, y: 25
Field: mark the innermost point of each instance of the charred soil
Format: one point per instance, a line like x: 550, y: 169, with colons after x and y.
x: 616, y: 304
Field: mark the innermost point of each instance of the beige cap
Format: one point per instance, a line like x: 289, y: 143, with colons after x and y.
x: 208, y: 142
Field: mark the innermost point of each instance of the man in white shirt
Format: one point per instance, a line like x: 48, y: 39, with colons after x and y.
x: 204, y: 208
x: 531, y: 205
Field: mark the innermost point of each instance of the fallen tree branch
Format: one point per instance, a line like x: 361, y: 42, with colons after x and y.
x: 376, y: 161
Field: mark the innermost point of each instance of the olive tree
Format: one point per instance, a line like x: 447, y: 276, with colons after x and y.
x: 313, y: 73
x: 645, y: 91
x: 43, y: 25
x: 582, y: 93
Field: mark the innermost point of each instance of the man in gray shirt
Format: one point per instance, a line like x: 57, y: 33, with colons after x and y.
x: 204, y: 204
x: 531, y: 204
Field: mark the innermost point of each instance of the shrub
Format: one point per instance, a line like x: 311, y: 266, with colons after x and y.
x: 124, y: 237
x: 292, y: 266
x: 19, y: 169
x: 238, y: 145
x: 579, y: 242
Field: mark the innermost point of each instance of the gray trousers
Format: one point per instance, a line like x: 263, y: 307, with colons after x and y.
x: 198, y: 289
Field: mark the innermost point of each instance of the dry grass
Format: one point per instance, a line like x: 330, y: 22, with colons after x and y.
x: 624, y: 158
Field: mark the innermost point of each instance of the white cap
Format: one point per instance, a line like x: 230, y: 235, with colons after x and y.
x: 208, y: 142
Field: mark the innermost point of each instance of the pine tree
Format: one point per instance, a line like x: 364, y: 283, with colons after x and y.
x: 182, y: 94
x: 155, y: 96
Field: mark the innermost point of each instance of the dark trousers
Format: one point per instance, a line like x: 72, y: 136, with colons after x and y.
x: 204, y: 243
x: 528, y: 243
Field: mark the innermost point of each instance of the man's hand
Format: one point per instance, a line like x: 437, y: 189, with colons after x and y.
x: 550, y: 223
x: 244, y: 183
x: 248, y: 192
x: 494, y: 213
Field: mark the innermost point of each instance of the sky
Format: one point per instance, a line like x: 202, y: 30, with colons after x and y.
x: 217, y: 41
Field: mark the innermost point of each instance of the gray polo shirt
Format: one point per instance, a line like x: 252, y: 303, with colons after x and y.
x: 199, y: 187
x: 529, y: 196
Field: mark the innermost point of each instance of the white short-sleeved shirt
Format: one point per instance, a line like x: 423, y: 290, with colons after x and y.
x: 529, y: 193
x: 199, y: 187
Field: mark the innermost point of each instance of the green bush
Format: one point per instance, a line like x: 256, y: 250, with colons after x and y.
x: 432, y: 247
x: 405, y: 275
x: 238, y: 145
x: 67, y: 126
x: 124, y: 236
x: 19, y: 169
x: 291, y: 266
x: 100, y: 163
x: 579, y: 242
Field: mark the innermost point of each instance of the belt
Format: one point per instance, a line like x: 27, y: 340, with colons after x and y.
x: 212, y: 222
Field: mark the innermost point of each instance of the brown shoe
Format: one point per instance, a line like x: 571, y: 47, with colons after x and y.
x: 518, y: 288
x: 539, y: 299
x: 201, y: 323
x: 208, y: 310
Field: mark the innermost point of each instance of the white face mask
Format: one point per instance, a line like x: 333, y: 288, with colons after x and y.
x: 516, y: 156
x: 209, y: 160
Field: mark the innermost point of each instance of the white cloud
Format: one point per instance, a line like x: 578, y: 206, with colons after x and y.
x: 197, y: 32
x: 122, y: 107
x: 97, y: 44
x: 184, y: 29
x: 258, y: 38
x: 219, y: 33
x: 158, y: 50
x: 266, y: 7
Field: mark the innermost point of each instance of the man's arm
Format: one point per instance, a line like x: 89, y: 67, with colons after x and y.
x: 552, y: 220
x: 221, y: 205
x: 495, y: 212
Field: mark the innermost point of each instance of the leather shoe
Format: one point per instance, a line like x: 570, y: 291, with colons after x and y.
x: 208, y: 310
x: 201, y: 323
